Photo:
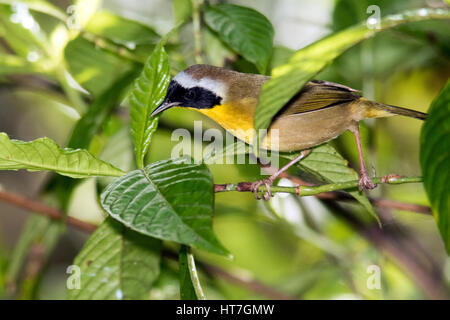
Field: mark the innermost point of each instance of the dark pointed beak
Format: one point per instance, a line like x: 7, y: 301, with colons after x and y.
x: 164, y: 106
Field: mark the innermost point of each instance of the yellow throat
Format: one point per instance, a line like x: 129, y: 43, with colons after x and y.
x: 235, y: 117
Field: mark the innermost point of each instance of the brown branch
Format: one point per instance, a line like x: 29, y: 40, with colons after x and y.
x: 53, y: 213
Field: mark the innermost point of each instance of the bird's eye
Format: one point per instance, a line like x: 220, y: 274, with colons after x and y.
x: 190, y: 95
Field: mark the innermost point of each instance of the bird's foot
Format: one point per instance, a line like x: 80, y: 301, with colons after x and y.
x: 365, y: 182
x: 266, y: 193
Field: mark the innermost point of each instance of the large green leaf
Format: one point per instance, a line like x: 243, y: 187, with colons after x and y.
x: 147, y: 93
x: 117, y: 263
x: 245, y: 30
x: 435, y: 160
x: 170, y: 200
x: 44, y: 154
x: 288, y: 79
x: 136, y: 37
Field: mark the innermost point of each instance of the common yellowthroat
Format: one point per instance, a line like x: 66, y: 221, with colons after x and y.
x: 321, y: 111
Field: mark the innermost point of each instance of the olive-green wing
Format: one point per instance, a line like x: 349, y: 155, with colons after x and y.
x: 317, y: 95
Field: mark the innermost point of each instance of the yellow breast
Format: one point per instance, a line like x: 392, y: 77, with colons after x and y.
x: 235, y: 117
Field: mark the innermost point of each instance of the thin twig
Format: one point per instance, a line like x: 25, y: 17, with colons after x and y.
x: 331, y: 192
x: 314, y: 190
x: 194, y: 275
x: 196, y: 22
x: 53, y: 213
x: 106, y: 45
x: 343, y: 196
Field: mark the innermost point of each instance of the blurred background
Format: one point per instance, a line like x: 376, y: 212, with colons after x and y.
x: 300, y: 248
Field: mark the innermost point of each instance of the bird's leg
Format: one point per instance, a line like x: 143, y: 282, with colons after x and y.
x: 364, y: 180
x: 269, y: 181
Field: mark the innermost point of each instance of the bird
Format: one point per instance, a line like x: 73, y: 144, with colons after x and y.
x: 319, y: 112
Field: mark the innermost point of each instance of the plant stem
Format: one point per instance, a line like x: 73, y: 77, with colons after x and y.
x: 314, y: 190
x: 194, y: 275
x: 196, y: 22
x: 106, y: 45
x: 55, y: 214
x: 43, y: 209
x: 309, y: 191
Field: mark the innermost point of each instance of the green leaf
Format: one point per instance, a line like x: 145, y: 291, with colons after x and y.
x: 38, y: 230
x: 94, y: 69
x: 245, y: 30
x: 98, y: 112
x: 435, y: 159
x: 118, y: 151
x: 26, y: 42
x: 117, y: 263
x: 167, y: 286
x: 84, y: 10
x: 346, y: 13
x: 217, y: 52
x: 389, y: 48
x: 45, y: 155
x: 328, y: 165
x: 12, y: 64
x: 182, y: 10
x: 288, y: 79
x: 134, y: 36
x: 187, y: 291
x: 169, y: 200
x: 280, y: 56
x: 47, y: 241
x: 40, y: 6
x: 148, y: 92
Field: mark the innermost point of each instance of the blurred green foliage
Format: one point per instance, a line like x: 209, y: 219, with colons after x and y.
x: 51, y: 76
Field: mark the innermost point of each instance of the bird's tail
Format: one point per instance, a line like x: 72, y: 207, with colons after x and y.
x: 376, y: 110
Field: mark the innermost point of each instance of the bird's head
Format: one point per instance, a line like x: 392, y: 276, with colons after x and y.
x: 199, y: 87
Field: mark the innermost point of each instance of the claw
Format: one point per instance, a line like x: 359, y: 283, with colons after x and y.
x: 267, y: 193
x: 365, y: 182
x: 254, y: 187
